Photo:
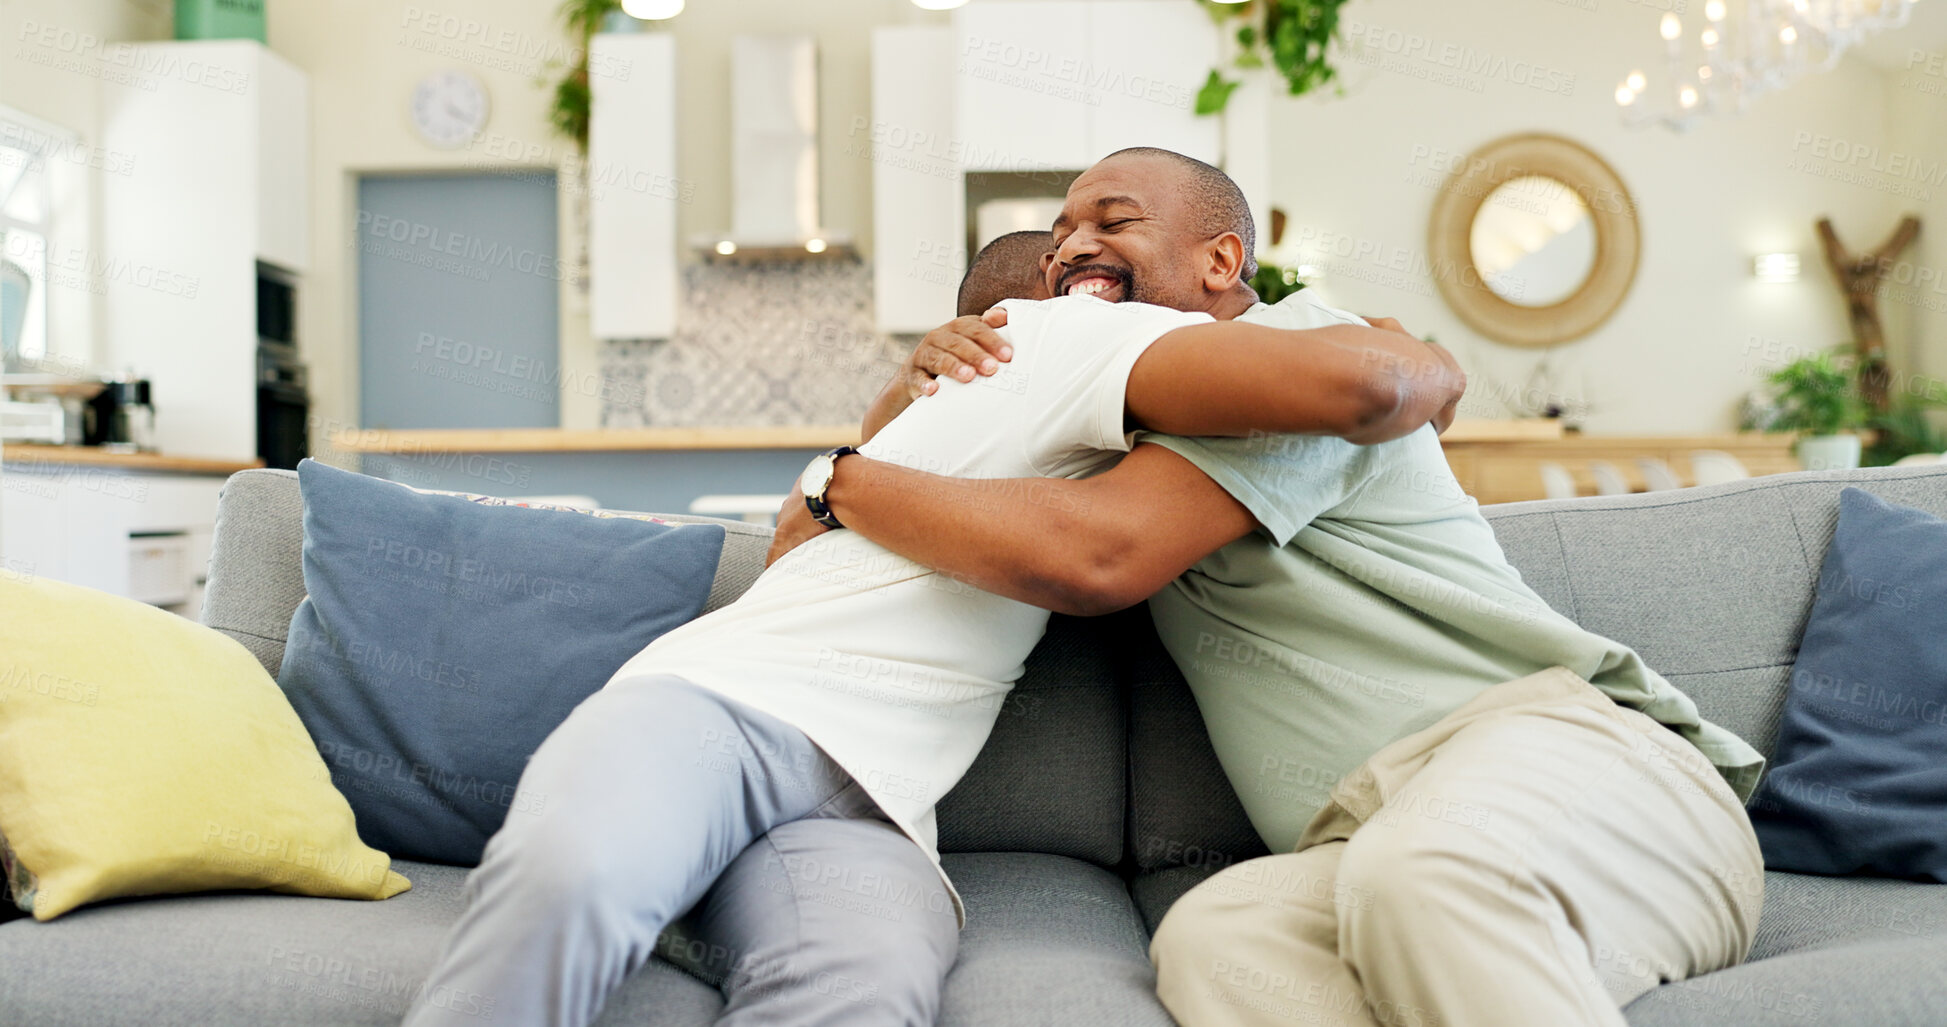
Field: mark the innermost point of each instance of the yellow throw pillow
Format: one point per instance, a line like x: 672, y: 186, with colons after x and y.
x: 144, y: 754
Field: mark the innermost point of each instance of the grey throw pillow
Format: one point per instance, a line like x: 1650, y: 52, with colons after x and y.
x: 443, y: 639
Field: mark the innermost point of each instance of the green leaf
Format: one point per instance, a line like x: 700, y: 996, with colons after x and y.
x: 1247, y: 36
x: 1215, y: 93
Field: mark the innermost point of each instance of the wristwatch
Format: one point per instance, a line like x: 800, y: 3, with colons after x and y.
x: 817, y: 478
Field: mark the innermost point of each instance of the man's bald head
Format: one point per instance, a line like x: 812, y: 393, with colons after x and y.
x: 1218, y: 204
x: 1009, y: 268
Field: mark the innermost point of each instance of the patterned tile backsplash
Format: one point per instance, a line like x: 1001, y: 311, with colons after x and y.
x: 757, y: 344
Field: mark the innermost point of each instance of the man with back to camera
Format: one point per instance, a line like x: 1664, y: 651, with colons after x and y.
x: 803, y: 734
x: 1479, y: 812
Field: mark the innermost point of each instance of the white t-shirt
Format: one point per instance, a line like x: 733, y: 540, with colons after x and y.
x: 894, y: 670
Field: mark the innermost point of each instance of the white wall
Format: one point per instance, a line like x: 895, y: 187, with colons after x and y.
x: 1915, y: 303
x: 51, y: 67
x: 1678, y: 354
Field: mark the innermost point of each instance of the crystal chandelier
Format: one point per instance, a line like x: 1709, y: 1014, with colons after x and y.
x: 1747, y: 48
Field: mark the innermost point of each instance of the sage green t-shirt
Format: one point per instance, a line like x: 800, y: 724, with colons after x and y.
x: 1375, y: 601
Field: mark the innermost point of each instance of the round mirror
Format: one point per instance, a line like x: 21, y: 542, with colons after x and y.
x: 1534, y: 240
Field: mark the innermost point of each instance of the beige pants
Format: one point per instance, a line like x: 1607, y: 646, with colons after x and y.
x: 1539, y: 856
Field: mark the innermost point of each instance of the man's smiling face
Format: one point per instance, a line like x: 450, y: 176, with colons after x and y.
x: 1126, y: 234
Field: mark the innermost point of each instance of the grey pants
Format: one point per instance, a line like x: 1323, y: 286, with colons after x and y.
x: 657, y: 797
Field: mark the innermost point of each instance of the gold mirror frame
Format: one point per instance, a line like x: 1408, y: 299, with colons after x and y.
x: 1618, y: 240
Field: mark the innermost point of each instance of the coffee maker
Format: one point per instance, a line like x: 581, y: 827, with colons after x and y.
x: 121, y: 417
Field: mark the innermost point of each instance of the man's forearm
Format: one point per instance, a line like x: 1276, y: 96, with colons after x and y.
x: 1079, y: 546
x: 1236, y: 379
x: 1025, y: 539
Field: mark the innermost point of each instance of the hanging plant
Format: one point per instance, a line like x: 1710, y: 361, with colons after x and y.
x: 572, y: 96
x: 1293, y: 36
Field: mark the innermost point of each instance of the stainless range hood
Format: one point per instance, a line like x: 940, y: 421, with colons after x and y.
x: 774, y: 154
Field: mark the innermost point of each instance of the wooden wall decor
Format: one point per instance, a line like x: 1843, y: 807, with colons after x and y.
x: 1860, y: 277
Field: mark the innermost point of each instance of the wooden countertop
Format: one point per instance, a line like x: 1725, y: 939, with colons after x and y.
x: 591, y: 440
x: 87, y: 456
x: 596, y: 440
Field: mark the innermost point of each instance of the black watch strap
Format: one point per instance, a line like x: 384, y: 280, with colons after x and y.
x: 820, y: 510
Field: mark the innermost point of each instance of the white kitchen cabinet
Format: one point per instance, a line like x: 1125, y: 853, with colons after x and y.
x: 634, y: 191
x: 1023, y: 85
x: 217, y: 138
x: 1064, y: 83
x: 141, y: 535
x: 919, y: 209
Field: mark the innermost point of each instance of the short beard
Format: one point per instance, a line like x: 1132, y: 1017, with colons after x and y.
x: 1131, y: 292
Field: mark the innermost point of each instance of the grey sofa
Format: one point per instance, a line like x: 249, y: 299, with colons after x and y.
x: 1095, y: 805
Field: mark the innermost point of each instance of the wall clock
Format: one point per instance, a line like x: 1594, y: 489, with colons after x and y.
x: 449, y: 108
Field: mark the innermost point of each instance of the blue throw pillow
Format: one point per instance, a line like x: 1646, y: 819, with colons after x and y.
x: 443, y: 639
x: 1859, y: 779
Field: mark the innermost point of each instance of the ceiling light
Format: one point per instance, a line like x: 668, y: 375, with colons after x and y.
x: 1788, y: 35
x: 814, y: 245
x: 652, y: 10
x: 1687, y: 97
x: 1636, y: 82
x: 1671, y: 28
x: 1714, y: 10
x: 1710, y: 39
x: 938, y: 5
x: 1625, y: 96
x: 726, y: 247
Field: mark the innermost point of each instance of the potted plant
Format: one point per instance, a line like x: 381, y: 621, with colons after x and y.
x: 1818, y: 396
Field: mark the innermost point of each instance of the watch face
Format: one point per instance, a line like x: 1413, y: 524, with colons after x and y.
x: 449, y: 108
x: 816, y: 476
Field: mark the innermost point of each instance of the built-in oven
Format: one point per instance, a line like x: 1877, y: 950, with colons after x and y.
x: 283, y: 386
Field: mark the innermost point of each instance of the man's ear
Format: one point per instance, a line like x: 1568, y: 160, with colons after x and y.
x: 1224, y: 262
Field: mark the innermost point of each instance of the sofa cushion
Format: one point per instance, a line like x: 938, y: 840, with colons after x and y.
x: 143, y: 754
x: 1052, y: 776
x: 1857, y: 784
x: 1182, y: 809
x: 1156, y: 892
x: 1806, y: 911
x: 1711, y: 585
x: 256, y: 574
x: 1049, y: 942
x: 442, y: 640
x: 245, y: 960
x: 1886, y: 983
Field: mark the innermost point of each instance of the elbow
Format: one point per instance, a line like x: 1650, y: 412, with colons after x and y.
x: 1095, y: 595
x: 1377, y: 405
x: 1096, y: 577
